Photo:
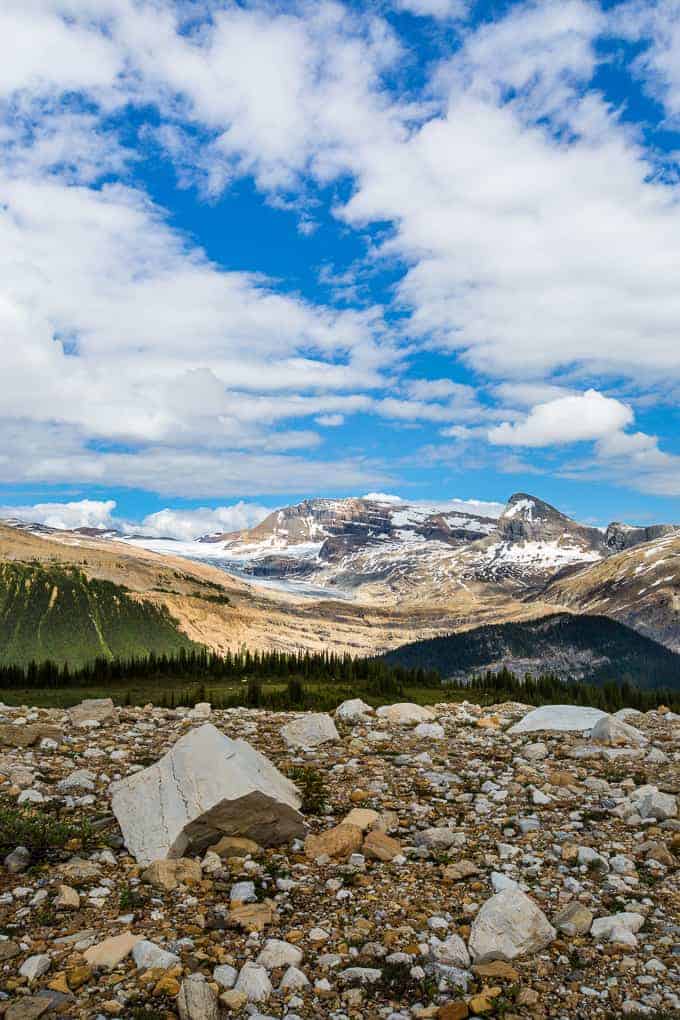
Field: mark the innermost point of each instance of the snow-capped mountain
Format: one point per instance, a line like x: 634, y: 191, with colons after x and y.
x: 397, y: 546
x: 449, y: 565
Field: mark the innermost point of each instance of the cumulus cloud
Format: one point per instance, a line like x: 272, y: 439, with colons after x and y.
x: 83, y: 513
x: 184, y: 524
x: 572, y: 419
x: 535, y: 238
x: 191, y: 524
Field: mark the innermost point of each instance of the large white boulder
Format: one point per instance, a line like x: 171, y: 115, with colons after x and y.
x: 205, y: 787
x: 559, y: 718
x: 310, y: 730
x: 616, y: 733
x: 405, y: 713
x: 354, y: 710
x: 507, y: 926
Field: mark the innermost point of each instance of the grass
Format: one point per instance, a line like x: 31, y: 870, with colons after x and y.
x: 57, y: 613
x: 312, y: 786
x: 325, y: 696
x: 42, y: 832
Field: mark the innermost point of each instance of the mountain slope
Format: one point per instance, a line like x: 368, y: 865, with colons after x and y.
x: 639, y: 586
x: 57, y: 613
x: 593, y: 649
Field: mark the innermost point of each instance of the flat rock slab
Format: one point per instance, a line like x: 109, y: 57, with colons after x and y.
x: 560, y: 719
x: 206, y: 786
x: 26, y: 736
x: 93, y: 709
x: 109, y: 953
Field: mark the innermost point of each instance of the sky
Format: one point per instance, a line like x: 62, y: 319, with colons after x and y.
x: 255, y: 252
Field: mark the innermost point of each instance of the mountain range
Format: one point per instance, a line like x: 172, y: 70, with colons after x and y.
x: 368, y: 574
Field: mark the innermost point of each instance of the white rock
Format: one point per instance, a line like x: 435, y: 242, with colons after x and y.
x: 405, y: 713
x: 310, y: 730
x: 93, y: 710
x: 30, y: 797
x: 615, y: 733
x: 499, y: 882
x: 253, y: 981
x: 277, y: 953
x: 201, y: 711
x: 147, y: 955
x: 452, y: 951
x: 559, y: 718
x: 206, y: 786
x: 81, y: 779
x: 35, y: 966
x: 603, y: 927
x: 293, y: 979
x: 243, y: 892
x: 507, y: 926
x: 196, y: 999
x: 535, y: 751
x: 354, y: 710
x: 649, y: 802
x: 225, y: 976
x: 430, y: 731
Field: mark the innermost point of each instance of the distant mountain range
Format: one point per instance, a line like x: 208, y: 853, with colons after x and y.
x: 366, y: 575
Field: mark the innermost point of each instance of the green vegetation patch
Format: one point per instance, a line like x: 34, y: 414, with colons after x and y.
x: 56, y: 613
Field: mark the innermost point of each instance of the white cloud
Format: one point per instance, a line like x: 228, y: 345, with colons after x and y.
x: 331, y: 421
x: 188, y: 525
x: 656, y: 26
x: 83, y: 513
x: 382, y: 497
x: 538, y: 241
x: 570, y: 419
x: 183, y: 524
x: 435, y: 8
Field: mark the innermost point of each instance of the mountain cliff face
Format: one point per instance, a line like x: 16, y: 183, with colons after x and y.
x: 380, y: 551
x: 406, y: 548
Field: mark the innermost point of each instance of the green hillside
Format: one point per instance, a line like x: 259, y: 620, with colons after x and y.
x: 591, y: 649
x: 57, y: 613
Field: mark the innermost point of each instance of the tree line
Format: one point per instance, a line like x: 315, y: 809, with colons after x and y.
x: 317, y: 680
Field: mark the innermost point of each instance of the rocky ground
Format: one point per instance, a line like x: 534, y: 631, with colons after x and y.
x: 481, y: 871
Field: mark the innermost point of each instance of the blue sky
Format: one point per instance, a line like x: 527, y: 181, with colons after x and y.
x: 253, y: 252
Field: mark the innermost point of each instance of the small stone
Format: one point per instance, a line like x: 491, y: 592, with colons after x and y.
x: 147, y: 955
x: 78, y: 976
x: 167, y: 985
x: 507, y: 926
x: 277, y: 953
x: 35, y: 966
x: 340, y: 841
x: 18, y: 860
x: 253, y: 981
x: 109, y: 953
x: 453, y: 1011
x: 380, y: 846
x: 233, y: 1000
x: 225, y: 976
x: 196, y: 999
x: 67, y: 898
x: 168, y: 874
x: 575, y: 919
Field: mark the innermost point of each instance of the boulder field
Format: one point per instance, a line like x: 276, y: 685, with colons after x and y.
x: 403, y: 864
